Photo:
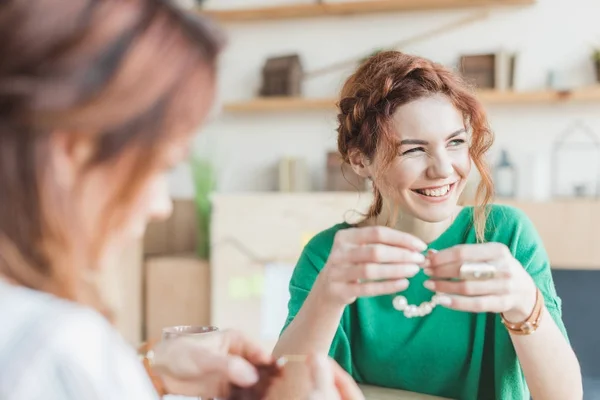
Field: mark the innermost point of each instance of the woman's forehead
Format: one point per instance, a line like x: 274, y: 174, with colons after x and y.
x: 427, y: 118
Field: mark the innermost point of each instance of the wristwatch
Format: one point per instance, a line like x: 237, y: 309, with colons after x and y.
x: 529, y: 325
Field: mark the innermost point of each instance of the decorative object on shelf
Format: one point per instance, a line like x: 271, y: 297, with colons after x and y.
x: 506, y: 63
x: 294, y: 175
x: 341, y: 177
x: 189, y: 4
x: 282, y: 76
x: 560, y: 81
x: 596, y: 59
x: 575, y: 162
x: 479, y: 70
x: 505, y: 177
x: 489, y: 71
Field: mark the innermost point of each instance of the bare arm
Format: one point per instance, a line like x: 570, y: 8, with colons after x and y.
x: 549, y: 363
x: 313, y: 328
x: 366, y: 261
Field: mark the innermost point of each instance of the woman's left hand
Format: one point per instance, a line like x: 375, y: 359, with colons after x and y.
x: 207, y: 364
x: 511, y: 291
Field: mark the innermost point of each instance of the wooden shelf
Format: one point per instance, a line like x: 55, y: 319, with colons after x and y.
x: 280, y: 104
x: 590, y: 94
x: 349, y: 8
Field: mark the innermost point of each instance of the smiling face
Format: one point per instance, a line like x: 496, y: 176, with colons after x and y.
x: 432, y: 165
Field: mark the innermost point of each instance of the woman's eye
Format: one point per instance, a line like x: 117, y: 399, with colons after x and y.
x: 457, y: 142
x: 412, y: 151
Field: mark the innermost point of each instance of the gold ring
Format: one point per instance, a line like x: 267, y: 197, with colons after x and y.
x: 477, y: 271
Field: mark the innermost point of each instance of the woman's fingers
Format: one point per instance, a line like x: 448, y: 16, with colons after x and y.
x: 460, y: 254
x: 452, y: 270
x: 322, y: 375
x: 374, y: 272
x: 371, y: 289
x: 476, y: 304
x: 471, y: 288
x: 330, y: 381
x: 378, y: 253
x: 237, y: 343
x: 380, y: 234
x: 347, y: 388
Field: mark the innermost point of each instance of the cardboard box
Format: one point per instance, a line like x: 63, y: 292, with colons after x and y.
x: 177, y: 292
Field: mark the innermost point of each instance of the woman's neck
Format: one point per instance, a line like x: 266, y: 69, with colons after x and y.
x: 405, y: 222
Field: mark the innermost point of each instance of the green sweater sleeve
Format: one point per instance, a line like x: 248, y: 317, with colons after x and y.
x: 516, y: 230
x: 310, y: 263
x: 528, y: 248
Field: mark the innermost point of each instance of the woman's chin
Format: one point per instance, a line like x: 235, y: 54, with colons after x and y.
x: 435, y: 212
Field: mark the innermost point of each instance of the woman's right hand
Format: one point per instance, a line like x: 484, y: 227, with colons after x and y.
x: 330, y: 381
x: 369, y: 261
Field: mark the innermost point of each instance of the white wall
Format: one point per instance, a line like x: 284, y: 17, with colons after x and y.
x: 551, y: 35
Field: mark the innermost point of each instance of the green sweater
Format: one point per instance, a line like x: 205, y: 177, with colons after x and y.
x: 449, y: 353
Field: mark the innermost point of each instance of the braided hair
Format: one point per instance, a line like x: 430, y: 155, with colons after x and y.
x: 390, y: 79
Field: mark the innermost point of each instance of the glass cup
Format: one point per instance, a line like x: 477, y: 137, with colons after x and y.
x: 173, y: 332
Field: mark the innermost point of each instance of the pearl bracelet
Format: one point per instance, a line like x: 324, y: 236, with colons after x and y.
x: 411, y: 310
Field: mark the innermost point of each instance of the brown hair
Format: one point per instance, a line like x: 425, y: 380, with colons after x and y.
x: 128, y: 74
x: 385, y: 82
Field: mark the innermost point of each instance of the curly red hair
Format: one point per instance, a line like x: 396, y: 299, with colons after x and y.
x: 391, y: 79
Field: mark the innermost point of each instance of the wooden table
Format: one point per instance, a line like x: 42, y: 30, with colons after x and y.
x: 370, y: 392
x: 379, y: 393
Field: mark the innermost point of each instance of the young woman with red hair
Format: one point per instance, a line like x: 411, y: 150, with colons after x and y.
x: 484, y: 319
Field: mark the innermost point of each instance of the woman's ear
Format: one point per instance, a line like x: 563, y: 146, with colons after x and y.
x: 360, y: 163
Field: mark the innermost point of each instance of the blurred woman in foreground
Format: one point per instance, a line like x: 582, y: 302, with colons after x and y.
x: 98, y: 99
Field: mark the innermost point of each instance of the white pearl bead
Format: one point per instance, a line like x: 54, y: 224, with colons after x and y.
x: 410, y: 311
x: 427, y: 308
x: 400, y: 303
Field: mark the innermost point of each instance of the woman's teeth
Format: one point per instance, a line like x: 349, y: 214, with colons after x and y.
x: 437, y: 192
